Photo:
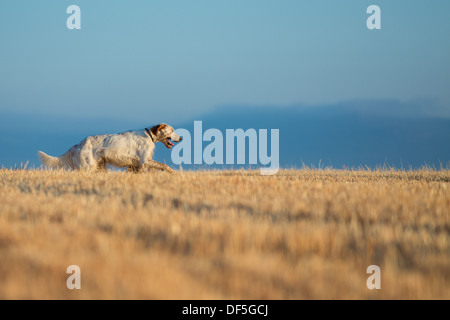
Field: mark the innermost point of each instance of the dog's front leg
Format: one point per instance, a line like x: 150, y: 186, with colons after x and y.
x: 157, y: 165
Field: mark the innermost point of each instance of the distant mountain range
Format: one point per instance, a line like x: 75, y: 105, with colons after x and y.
x: 350, y: 134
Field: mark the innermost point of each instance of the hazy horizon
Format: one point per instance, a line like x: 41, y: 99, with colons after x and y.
x: 349, y: 134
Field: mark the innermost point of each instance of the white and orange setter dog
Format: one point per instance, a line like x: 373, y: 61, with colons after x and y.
x: 132, y: 149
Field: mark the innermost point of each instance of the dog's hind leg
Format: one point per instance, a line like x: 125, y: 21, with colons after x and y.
x: 84, y: 157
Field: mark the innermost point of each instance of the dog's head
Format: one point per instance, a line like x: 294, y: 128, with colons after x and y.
x: 164, y: 133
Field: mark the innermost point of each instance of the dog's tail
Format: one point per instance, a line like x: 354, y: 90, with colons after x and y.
x: 49, y: 161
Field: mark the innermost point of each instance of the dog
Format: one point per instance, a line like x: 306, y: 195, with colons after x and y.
x: 131, y: 149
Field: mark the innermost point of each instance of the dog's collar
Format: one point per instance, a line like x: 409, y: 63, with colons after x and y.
x: 151, y: 135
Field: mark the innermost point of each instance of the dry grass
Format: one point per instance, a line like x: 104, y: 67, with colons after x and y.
x: 302, y: 234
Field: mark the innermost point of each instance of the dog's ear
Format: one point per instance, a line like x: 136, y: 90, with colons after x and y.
x: 155, y: 131
x: 152, y: 133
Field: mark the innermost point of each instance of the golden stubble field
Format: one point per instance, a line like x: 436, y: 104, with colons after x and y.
x: 301, y: 234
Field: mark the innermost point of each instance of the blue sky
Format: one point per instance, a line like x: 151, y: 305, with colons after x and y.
x: 168, y: 60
